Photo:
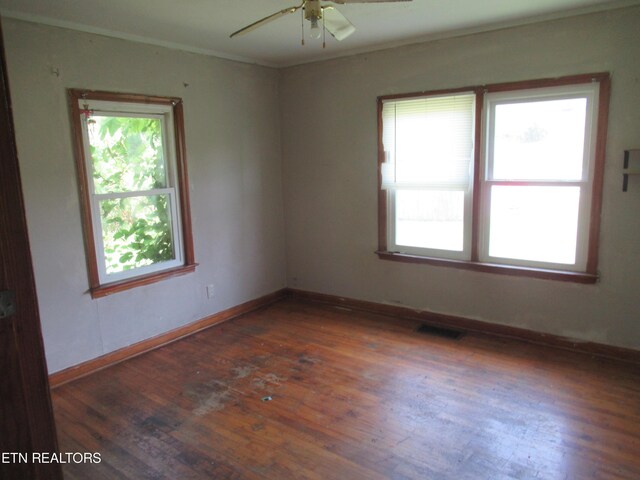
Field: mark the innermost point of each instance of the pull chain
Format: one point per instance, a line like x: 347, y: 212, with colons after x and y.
x: 302, y: 24
x: 324, y: 44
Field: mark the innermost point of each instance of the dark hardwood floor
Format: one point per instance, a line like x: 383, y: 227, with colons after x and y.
x: 352, y: 396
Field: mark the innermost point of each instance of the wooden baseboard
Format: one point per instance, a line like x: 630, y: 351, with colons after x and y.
x: 438, y: 319
x: 476, y: 326
x: 104, y: 361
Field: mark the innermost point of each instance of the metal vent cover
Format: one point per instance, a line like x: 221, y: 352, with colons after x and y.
x: 439, y: 331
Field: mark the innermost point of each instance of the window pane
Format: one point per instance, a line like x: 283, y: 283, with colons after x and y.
x: 136, y: 232
x: 126, y: 153
x: 534, y: 223
x: 542, y: 140
x: 430, y: 219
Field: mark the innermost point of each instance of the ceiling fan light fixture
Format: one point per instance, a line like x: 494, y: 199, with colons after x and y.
x: 332, y: 20
x: 315, y: 31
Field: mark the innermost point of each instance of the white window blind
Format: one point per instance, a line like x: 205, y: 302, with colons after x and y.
x: 428, y: 142
x: 428, y: 145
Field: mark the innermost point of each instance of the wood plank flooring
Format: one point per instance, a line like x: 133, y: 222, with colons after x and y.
x: 352, y: 396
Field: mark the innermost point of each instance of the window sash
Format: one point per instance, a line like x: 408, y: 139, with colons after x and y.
x: 146, y: 269
x: 163, y: 115
x: 464, y: 254
x: 581, y: 232
x: 565, y: 92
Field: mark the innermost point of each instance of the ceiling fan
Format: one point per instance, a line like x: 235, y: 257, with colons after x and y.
x: 321, y: 16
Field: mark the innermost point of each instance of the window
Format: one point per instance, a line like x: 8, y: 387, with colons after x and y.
x: 134, y: 189
x: 503, y: 178
x: 428, y: 145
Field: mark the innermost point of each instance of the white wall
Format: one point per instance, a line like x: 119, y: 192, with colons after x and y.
x: 325, y: 136
x: 234, y: 161
x: 330, y: 178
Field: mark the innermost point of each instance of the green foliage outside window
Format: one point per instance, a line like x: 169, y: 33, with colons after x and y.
x: 129, y: 177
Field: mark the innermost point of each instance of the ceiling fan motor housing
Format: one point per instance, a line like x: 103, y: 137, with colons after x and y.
x: 312, y: 10
x: 321, y: 18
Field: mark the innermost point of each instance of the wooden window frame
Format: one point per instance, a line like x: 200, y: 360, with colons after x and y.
x: 590, y: 275
x: 96, y: 288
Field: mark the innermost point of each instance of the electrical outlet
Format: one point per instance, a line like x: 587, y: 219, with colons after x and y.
x: 210, y: 291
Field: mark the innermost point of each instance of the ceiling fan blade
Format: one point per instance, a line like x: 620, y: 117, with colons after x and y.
x: 336, y: 23
x: 265, y: 20
x: 346, y: 2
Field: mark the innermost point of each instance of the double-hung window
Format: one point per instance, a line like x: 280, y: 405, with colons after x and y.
x: 133, y: 182
x: 503, y: 178
x: 428, y: 148
x: 538, y: 179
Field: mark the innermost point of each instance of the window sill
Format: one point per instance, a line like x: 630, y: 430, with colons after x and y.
x: 559, y: 275
x: 115, y: 287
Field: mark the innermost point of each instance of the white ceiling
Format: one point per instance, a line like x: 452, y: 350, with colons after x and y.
x: 204, y: 25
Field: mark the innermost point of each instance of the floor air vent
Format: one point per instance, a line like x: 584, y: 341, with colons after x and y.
x: 439, y: 331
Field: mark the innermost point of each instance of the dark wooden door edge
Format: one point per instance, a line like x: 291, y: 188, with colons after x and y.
x: 28, y: 424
